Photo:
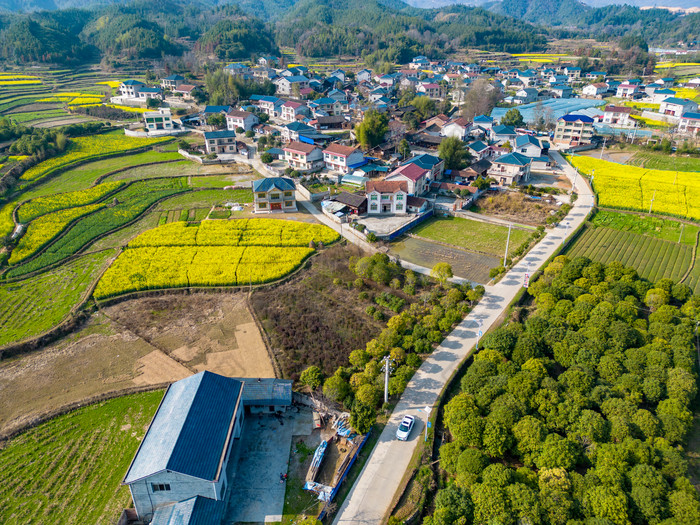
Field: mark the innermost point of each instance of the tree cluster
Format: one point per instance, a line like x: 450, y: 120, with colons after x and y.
x: 579, y: 413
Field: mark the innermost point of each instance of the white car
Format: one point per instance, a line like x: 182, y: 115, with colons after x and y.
x: 405, y: 428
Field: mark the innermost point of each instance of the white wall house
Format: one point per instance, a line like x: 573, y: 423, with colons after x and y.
x: 223, y: 141
x: 416, y: 178
x: 677, y: 106
x: 240, y: 119
x: 131, y: 88
x: 274, y: 194
x: 510, y: 169
x: 618, y: 116
x: 386, y: 197
x: 341, y: 158
x: 158, y: 120
x: 303, y: 157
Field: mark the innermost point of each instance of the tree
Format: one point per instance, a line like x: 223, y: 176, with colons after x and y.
x: 425, y: 106
x: 442, y: 272
x: 312, y: 377
x: 362, y: 417
x: 454, y: 152
x: 370, y: 132
x: 336, y: 388
x: 481, y: 184
x: 217, y: 120
x: 250, y: 134
x: 266, y: 158
x: 481, y: 98
x: 404, y: 148
x: 368, y: 395
x: 513, y: 118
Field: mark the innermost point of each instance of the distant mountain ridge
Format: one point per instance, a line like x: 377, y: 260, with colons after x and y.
x: 685, y: 4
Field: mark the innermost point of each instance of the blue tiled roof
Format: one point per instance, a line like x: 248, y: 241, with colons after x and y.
x: 523, y: 140
x: 174, y: 77
x: 297, y: 78
x: 299, y: 126
x: 691, y: 115
x: 133, y: 83
x: 503, y: 130
x: 573, y: 118
x: 679, y: 101
x: 190, y: 430
x: 478, y: 146
x: 150, y: 90
x: 223, y: 134
x: 281, y: 183
x: 265, y: 98
x: 515, y: 159
x: 483, y: 118
x: 217, y: 109
x: 194, y: 511
x: 424, y: 160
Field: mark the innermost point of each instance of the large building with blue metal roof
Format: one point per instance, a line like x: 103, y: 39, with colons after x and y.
x: 178, y: 475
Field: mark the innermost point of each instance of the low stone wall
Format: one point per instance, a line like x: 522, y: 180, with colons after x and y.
x: 158, y: 133
x: 313, y: 197
x: 653, y: 115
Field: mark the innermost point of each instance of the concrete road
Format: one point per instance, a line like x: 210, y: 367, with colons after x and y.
x: 371, y: 497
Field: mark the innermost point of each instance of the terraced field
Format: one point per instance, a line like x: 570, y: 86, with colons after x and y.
x: 32, y: 306
x: 45, y: 470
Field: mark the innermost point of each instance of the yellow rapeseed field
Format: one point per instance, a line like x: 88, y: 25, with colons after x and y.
x: 630, y: 187
x: 215, y: 253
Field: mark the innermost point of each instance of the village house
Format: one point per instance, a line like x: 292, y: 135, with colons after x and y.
x: 291, y: 110
x: 131, y: 88
x: 510, y: 169
x: 573, y: 130
x: 172, y: 82
x: 484, y: 122
x: 561, y: 91
x: 627, y: 90
x: 363, y: 75
x: 574, y: 73
x: 501, y: 134
x: 619, y: 116
x: 385, y: 197
x: 479, y: 150
x: 659, y: 95
x: 342, y: 158
x: 146, y: 93
x: 416, y: 178
x: 286, y: 85
x: 293, y: 130
x: 356, y: 204
x: 689, y: 123
x: 529, y: 146
x: 202, y: 413
x: 431, y: 89
x: 241, y: 119
x: 303, y: 157
x: 271, y: 106
x: 268, y: 61
x: 596, y: 90
x: 434, y: 164
x: 186, y: 90
x: 237, y: 70
x: 223, y: 141
x: 327, y: 106
x: 158, y: 120
x: 458, y: 127
x: 526, y: 95
x: 274, y: 194
x: 677, y: 106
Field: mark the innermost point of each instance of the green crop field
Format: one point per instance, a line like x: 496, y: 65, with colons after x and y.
x: 658, y: 160
x: 666, y: 229
x: 69, y: 469
x: 653, y: 258
x: 32, y: 306
x: 472, y: 235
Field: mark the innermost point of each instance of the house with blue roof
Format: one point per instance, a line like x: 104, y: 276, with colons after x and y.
x: 528, y: 145
x: 194, y: 511
x: 150, y: 92
x: 690, y: 123
x: 237, y: 70
x: 223, y: 141
x: 501, y: 134
x: 187, y: 446
x: 274, y: 194
x: 479, y: 150
x: 484, y: 122
x: 574, y: 130
x: 172, y: 82
x: 436, y: 165
x: 131, y: 88
x: 510, y: 169
x: 675, y: 107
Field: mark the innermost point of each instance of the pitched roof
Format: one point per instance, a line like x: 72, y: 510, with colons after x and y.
x: 523, y: 140
x: 350, y: 199
x: 185, y: 88
x: 690, y: 115
x: 150, y: 90
x: 194, y: 511
x: 678, y: 101
x: 299, y: 126
x: 281, y: 183
x: 483, y: 118
x: 300, y: 147
x: 292, y: 104
x: 617, y: 109
x: 415, y: 201
x: 237, y: 113
x: 174, y: 77
x: 133, y: 83
x: 424, y: 160
x: 411, y: 171
x: 338, y: 149
x: 460, y: 121
x: 513, y: 159
x: 573, y: 118
x: 217, y: 109
x: 503, y: 130
x: 190, y: 432
x: 478, y: 146
x: 386, y: 186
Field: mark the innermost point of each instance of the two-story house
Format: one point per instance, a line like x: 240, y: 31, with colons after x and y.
x: 434, y: 164
x: 286, y: 85
x: 274, y: 194
x: 431, y: 89
x: 385, y: 197
x: 271, y: 106
x: 417, y: 178
x: 160, y: 120
x: 501, y: 134
x: 291, y: 110
x: 326, y: 106
x: 510, y: 169
x: 595, y: 90
x: 303, y: 157
x: 618, y: 116
x: 526, y: 95
x: 223, y: 141
x: 292, y: 130
x: 627, y: 90
x: 237, y: 118
x: 690, y: 123
x: 131, y: 88
x: 146, y: 93
x: 172, y: 82
x: 342, y: 158
x: 677, y: 106
x: 574, y: 130
x: 458, y: 127
x: 528, y: 145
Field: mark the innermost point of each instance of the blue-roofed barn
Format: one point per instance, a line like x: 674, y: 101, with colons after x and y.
x: 187, y: 446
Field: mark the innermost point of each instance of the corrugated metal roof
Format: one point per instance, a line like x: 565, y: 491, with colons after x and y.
x: 266, y: 391
x: 189, y: 432
x: 194, y: 511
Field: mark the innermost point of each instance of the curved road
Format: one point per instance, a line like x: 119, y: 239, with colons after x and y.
x: 370, y: 499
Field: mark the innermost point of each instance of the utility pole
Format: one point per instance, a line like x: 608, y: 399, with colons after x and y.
x: 387, y: 370
x: 507, y: 243
x: 652, y: 202
x: 603, y: 148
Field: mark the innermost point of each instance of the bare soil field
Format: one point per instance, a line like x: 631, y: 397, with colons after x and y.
x: 311, y: 321
x: 135, y: 343
x: 514, y: 207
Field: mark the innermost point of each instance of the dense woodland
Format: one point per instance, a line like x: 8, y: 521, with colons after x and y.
x: 578, y: 412
x: 377, y: 30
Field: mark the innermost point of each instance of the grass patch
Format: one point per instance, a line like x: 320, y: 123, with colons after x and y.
x: 69, y: 469
x: 32, y: 306
x: 666, y: 229
x: 471, y: 235
x: 662, y: 161
x: 206, y: 199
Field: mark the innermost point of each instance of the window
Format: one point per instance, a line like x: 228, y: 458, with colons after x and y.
x: 399, y: 207
x: 274, y: 196
x: 160, y: 487
x: 373, y: 197
x: 262, y: 205
x: 287, y: 193
x: 261, y: 195
x: 289, y: 204
x: 399, y: 197
x: 373, y: 207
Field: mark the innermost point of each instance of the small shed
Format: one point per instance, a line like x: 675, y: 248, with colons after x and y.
x: 356, y: 203
x: 266, y: 395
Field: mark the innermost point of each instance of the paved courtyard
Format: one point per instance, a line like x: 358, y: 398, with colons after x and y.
x: 255, y: 494
x: 385, y: 224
